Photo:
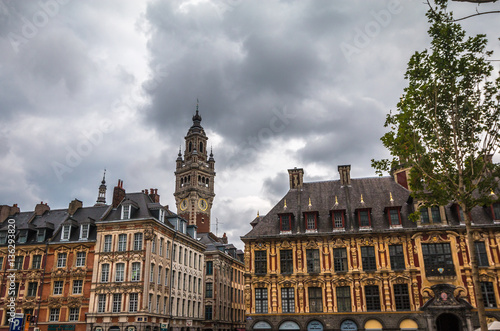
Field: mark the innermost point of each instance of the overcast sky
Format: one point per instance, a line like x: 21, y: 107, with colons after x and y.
x: 93, y: 85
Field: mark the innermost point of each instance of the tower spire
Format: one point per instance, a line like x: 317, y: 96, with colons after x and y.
x: 101, y: 197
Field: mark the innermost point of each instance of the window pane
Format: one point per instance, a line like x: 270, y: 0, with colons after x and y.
x: 286, y: 261
x: 368, y: 258
x: 343, y: 298
x: 315, y: 300
x: 372, y: 298
x: 260, y: 262
x: 313, y: 265
x: 402, y: 297
x: 397, y: 257
x: 438, y: 260
x: 340, y: 259
x: 482, y: 256
x: 364, y: 219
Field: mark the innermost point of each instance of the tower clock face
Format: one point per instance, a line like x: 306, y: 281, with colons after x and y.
x: 184, y: 204
x: 202, y: 203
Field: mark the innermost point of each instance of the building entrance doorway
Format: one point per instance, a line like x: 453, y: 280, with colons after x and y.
x: 448, y: 322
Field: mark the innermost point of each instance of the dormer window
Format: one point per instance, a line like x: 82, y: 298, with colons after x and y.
x: 84, y: 231
x: 126, y: 212
x: 66, y: 231
x: 394, y: 216
x: 3, y: 237
x: 311, y: 220
x: 285, y: 223
x: 40, y: 236
x: 23, y: 236
x: 161, y: 216
x: 338, y: 219
x: 364, y: 218
x: 496, y: 211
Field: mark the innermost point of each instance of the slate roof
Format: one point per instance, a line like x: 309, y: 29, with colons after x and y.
x: 140, y: 207
x: 83, y: 215
x: 376, y: 196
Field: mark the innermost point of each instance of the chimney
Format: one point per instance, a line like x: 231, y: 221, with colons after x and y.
x: 41, y: 208
x: 6, y: 211
x: 118, y: 193
x: 345, y: 174
x: 153, y: 194
x: 74, y: 206
x: 401, y: 175
x: 296, y: 177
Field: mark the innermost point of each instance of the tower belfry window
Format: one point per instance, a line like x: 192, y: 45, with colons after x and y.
x: 190, y: 147
x: 201, y: 147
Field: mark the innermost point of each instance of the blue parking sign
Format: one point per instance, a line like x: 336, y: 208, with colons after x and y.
x: 17, y: 323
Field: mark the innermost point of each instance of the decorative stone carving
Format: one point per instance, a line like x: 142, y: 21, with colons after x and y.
x: 55, y: 302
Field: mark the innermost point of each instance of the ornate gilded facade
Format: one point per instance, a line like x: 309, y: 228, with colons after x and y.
x: 343, y: 255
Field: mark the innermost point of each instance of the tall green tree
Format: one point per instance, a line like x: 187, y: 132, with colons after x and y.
x: 447, y: 126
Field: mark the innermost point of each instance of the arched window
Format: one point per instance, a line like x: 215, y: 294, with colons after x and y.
x: 190, y: 147
x: 201, y: 147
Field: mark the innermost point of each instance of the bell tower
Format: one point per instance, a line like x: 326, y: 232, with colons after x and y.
x: 194, y: 178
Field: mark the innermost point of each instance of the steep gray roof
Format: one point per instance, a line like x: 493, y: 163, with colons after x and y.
x: 376, y: 194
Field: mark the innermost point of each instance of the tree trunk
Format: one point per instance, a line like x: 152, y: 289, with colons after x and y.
x: 475, y: 271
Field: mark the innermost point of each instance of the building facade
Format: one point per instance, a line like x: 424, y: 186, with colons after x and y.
x: 224, y: 284
x: 343, y: 255
x: 148, y: 270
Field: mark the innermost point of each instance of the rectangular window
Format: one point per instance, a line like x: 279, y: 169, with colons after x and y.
x: 260, y: 262
x: 137, y: 241
x: 394, y: 217
x: 32, y: 289
x: 18, y: 262
x: 208, y: 313
x: 496, y: 211
x: 101, y: 303
x: 338, y: 219
x: 312, y: 256
x: 107, y: 243
x: 122, y: 242
x: 117, y: 302
x: 438, y: 260
x: 311, y: 221
x: 261, y: 300
x: 84, y: 231
x: 288, y: 300
x: 80, y: 259
x: 402, y: 297
x: 126, y: 212
x: 136, y: 271
x: 77, y: 286
x: 159, y: 275
x: 174, y: 252
x: 153, y: 245
x: 424, y: 215
x: 315, y: 300
x: 436, y: 214
x: 74, y: 314
x: 66, y: 231
x: 208, y: 290
x: 3, y: 240
x: 120, y: 272
x: 488, y: 295
x: 16, y: 290
x: 368, y: 258
x: 54, y: 315
x: 372, y: 297
x: 285, y: 223
x: 105, y: 273
x: 397, y: 257
x: 40, y: 235
x: 1, y: 262
x: 152, y: 273
x: 286, y: 261
x: 37, y: 262
x: 58, y: 287
x: 150, y: 302
x: 340, y: 259
x: 161, y: 247
x: 343, y: 299
x: 482, y: 256
x: 61, y: 260
x: 23, y: 236
x: 364, y: 218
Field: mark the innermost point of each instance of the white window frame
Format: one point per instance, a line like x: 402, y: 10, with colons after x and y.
x: 54, y: 314
x: 77, y: 286
x: 81, y: 258
x: 105, y: 273
x: 101, y: 303
x: 39, y: 233
x: 133, y: 302
x: 72, y: 317
x: 65, y: 232
x: 122, y: 244
x: 61, y: 260
x: 23, y: 236
x: 117, y: 302
x: 136, y: 272
x: 120, y: 272
x: 108, y: 243
x: 84, y: 231
x: 138, y: 241
x: 126, y: 209
x: 58, y: 290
